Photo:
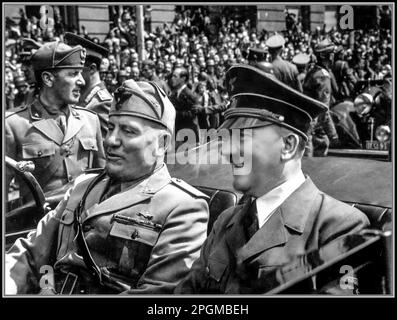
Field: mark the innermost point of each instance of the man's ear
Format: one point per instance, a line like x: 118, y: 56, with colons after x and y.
x: 290, y: 146
x: 48, y: 78
x: 93, y: 68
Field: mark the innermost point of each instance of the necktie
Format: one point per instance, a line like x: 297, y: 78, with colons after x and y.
x: 62, y: 122
x: 251, y: 220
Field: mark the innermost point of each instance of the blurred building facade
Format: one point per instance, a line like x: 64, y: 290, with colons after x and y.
x: 98, y: 18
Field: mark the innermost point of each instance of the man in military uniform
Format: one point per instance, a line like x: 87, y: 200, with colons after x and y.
x: 344, y: 76
x: 131, y: 228
x: 61, y: 139
x: 324, y: 52
x: 301, y: 60
x: 94, y: 95
x: 319, y: 84
x: 284, y: 214
x: 283, y: 70
x: 29, y: 47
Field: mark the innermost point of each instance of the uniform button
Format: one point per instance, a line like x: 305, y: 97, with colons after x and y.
x: 70, y: 177
x: 207, y: 269
x: 39, y: 153
x: 87, y: 228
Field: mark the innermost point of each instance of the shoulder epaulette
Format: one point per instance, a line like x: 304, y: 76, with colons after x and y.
x: 188, y: 188
x: 92, y: 94
x: 15, y: 110
x: 104, y: 95
x: 84, y: 109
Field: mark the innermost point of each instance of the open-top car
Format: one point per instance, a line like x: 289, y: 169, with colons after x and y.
x: 365, y: 266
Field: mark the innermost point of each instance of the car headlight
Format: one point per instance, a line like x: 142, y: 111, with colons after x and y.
x: 383, y: 133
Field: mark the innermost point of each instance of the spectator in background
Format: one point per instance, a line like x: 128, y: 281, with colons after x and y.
x: 148, y: 72
x: 185, y: 102
x: 283, y: 70
x: 94, y: 95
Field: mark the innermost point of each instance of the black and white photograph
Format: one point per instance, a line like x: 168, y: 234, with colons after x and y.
x: 198, y: 150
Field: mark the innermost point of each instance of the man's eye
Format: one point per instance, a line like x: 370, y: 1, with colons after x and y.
x: 128, y: 130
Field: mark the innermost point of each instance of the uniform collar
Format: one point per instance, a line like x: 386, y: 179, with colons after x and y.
x: 38, y: 112
x: 267, y: 203
x: 126, y: 198
x: 294, y: 210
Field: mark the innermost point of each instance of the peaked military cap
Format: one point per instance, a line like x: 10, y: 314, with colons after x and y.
x: 259, y: 99
x: 301, y: 59
x: 144, y: 100
x: 256, y: 54
x: 58, y: 55
x: 324, y: 46
x: 93, y: 49
x: 275, y: 41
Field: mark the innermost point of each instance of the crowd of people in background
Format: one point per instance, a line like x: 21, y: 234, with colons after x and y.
x: 203, y: 48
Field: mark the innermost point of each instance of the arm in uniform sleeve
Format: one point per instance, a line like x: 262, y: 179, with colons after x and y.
x: 329, y: 126
x: 177, y: 248
x: 298, y: 84
x: 99, y: 160
x: 11, y: 151
x: 344, y: 220
x: 195, y: 281
x: 101, y: 108
x: 27, y: 255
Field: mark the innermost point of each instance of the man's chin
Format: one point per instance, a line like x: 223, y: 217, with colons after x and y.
x: 114, y: 172
x: 241, y: 183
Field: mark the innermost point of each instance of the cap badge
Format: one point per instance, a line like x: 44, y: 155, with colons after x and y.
x: 83, y: 55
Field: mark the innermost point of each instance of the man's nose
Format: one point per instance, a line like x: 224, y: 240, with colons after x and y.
x: 112, y: 139
x: 80, y: 80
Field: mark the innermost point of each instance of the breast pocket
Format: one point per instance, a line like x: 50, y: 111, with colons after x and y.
x: 130, y: 244
x: 39, y: 149
x: 89, y: 143
x: 216, y: 276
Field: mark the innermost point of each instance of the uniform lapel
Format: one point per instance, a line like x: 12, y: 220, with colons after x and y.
x: 300, y: 206
x: 293, y: 214
x: 129, y: 197
x: 271, y: 234
x: 75, y: 123
x: 46, y: 125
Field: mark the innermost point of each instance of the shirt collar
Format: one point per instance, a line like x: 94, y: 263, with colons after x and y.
x: 270, y: 201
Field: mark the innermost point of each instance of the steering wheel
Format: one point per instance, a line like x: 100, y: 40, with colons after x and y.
x: 23, y: 169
